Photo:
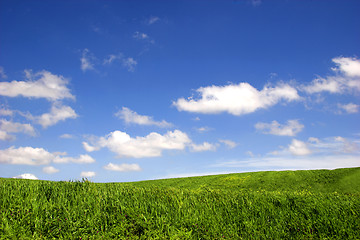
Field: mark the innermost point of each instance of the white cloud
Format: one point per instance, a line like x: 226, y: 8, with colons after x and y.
x: 67, y: 136
x: 349, y: 108
x: 202, y: 147
x: 313, y: 140
x: 151, y: 145
x: 50, y: 170
x: 347, y: 78
x: 57, y: 113
x: 152, y: 20
x: 230, y: 144
x: 42, y: 84
x: 26, y: 156
x: 27, y: 176
x: 236, y: 99
x: 140, y: 36
x: 2, y: 72
x: 299, y: 148
x: 111, y: 58
x: 129, y: 64
x: 14, y: 127
x: 87, y: 174
x: 90, y: 148
x: 38, y: 156
x: 290, y: 129
x: 83, y: 159
x: 86, y: 60
x: 130, y: 116
x: 122, y: 167
x: 4, y: 136
x: 203, y: 129
x: 348, y: 66
x: 6, y: 112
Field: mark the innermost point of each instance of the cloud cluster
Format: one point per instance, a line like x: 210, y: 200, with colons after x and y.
x: 290, y: 129
x: 151, y: 145
x: 38, y: 156
x: 237, y: 99
x: 130, y: 116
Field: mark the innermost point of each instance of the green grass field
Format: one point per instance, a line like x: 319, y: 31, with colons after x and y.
x: 319, y: 204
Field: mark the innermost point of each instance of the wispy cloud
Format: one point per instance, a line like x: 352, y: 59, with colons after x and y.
x: 88, y: 174
x: 7, y: 127
x: 129, y: 64
x: 2, y: 72
x: 152, y: 20
x: 140, y: 36
x: 86, y: 60
x: 230, y: 144
x: 50, y: 170
x: 348, y: 108
x: 291, y: 128
x: 131, y: 117
x: 123, y: 167
x: 202, y: 147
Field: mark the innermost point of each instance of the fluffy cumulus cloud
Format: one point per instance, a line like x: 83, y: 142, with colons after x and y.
x: 42, y: 84
x: 130, y: 116
x: 50, y: 170
x: 87, y: 60
x: 151, y: 145
x: 237, y: 99
x: 123, y: 167
x: 346, y: 78
x: 38, y: 156
x: 7, y: 127
x: 202, y: 147
x: 87, y: 174
x: 291, y: 128
x: 27, y: 176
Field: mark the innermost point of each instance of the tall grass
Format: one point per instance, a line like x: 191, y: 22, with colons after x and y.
x: 83, y: 210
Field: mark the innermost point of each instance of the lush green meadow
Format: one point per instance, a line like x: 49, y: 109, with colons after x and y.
x: 320, y: 204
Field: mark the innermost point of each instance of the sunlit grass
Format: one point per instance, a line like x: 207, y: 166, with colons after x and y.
x: 213, y: 207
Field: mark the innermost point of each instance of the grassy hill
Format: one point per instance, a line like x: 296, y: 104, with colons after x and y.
x: 346, y: 180
x: 321, y: 204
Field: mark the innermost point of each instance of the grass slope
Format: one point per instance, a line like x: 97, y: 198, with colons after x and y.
x: 318, y: 204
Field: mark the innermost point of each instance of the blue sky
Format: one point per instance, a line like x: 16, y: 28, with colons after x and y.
x: 137, y: 90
